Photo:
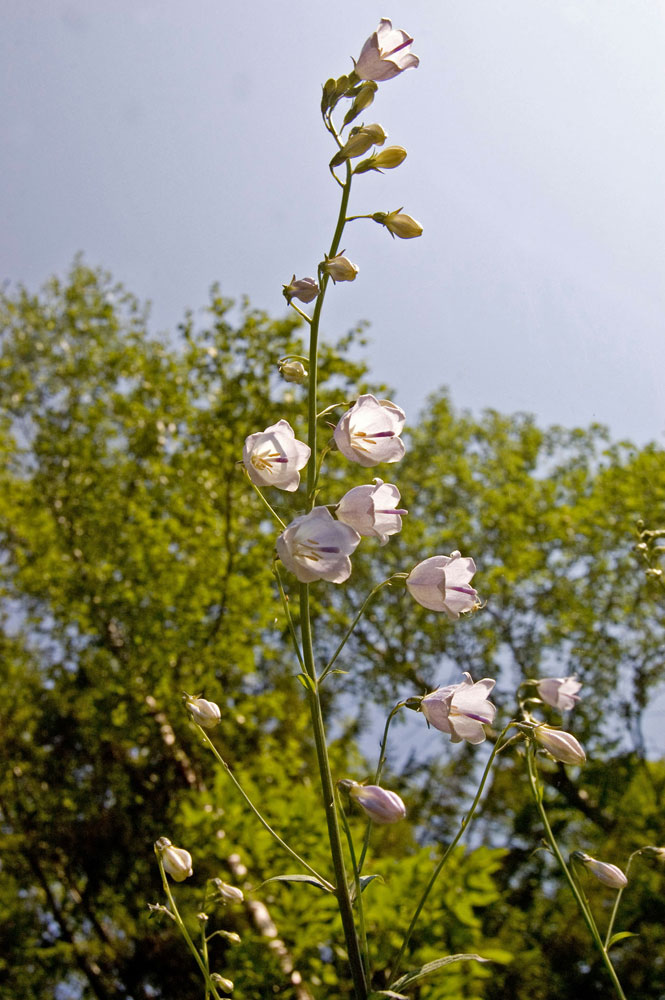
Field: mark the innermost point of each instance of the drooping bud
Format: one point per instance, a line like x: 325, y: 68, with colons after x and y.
x: 604, y: 872
x: 177, y: 861
x: 399, y: 224
x: 340, y: 268
x: 560, y: 745
x: 293, y: 371
x: 364, y: 97
x: 360, y: 140
x: 226, y: 984
x: 387, y: 159
x: 229, y: 893
x: 304, y: 289
x: 380, y: 805
x: 204, y: 713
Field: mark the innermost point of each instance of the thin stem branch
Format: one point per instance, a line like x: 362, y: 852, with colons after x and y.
x: 265, y: 503
x: 359, y: 897
x: 377, y: 779
x: 289, y: 618
x: 537, y: 791
x: 262, y: 821
x: 451, y: 847
x: 329, y: 665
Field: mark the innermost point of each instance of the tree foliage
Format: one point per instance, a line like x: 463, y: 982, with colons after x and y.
x: 137, y: 564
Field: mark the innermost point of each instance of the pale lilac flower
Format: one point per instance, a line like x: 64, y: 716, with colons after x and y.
x: 559, y: 692
x: 398, y: 223
x: 560, y: 745
x: 273, y: 457
x: 441, y: 583
x: 177, y: 861
x: 369, y: 432
x: 604, y: 872
x: 461, y: 710
x: 317, y: 547
x: 372, y: 510
x: 205, y: 713
x: 304, y: 289
x: 378, y: 803
x: 340, y: 268
x: 385, y: 54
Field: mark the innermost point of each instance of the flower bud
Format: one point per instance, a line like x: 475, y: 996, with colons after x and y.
x: 293, y: 371
x: 399, y: 224
x: 204, y: 713
x: 226, y: 984
x: 340, y: 268
x: 304, y: 289
x: 380, y: 805
x: 177, y: 861
x: 229, y: 893
x: 604, y: 872
x: 560, y: 745
x: 360, y: 140
x: 390, y: 157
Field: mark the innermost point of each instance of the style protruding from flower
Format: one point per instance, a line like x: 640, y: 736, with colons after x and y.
x: 604, y: 872
x: 398, y: 223
x: 317, y: 547
x: 340, y: 268
x: 385, y: 54
x: 559, y: 692
x: 204, y: 713
x: 292, y: 371
x: 379, y: 804
x: 303, y: 289
x: 369, y: 432
x: 372, y: 511
x: 273, y: 457
x: 441, y: 583
x: 559, y: 744
x: 177, y: 861
x: 461, y: 710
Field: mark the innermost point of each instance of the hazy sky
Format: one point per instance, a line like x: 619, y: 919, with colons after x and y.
x: 177, y: 145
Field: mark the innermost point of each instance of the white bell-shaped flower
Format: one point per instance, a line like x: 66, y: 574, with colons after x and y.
x: 372, y: 510
x: 441, y: 583
x: 369, y: 433
x: 385, y: 54
x: 559, y: 692
x: 273, y: 457
x: 461, y: 710
x: 317, y: 547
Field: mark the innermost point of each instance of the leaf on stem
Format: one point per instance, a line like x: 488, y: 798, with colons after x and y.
x: 619, y: 937
x: 426, y: 970
x: 309, y: 879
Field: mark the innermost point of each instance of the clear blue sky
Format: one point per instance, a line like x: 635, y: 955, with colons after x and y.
x: 179, y: 145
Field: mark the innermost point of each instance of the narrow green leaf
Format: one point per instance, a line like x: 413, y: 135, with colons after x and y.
x: 309, y: 879
x: 619, y: 937
x: 307, y: 682
x: 430, y: 967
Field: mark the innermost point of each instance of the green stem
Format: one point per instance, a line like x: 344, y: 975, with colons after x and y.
x: 185, y: 933
x: 329, y: 665
x: 584, y: 909
x: 615, y: 908
x: 262, y: 821
x: 377, y: 779
x: 359, y: 897
x: 287, y: 612
x: 451, y: 847
x: 265, y: 503
x: 328, y: 791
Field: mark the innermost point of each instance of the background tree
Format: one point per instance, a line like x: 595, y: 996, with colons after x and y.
x: 137, y: 564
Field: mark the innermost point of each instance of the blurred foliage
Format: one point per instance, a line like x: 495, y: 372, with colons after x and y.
x: 137, y: 564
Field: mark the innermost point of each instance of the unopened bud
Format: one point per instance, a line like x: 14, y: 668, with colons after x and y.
x: 340, y: 268
x: 360, y: 140
x: 293, y: 371
x: 399, y: 224
x: 229, y: 893
x: 204, y: 713
x: 560, y: 745
x: 380, y: 805
x: 604, y: 872
x: 390, y: 157
x: 177, y: 861
x: 304, y: 289
x: 226, y: 984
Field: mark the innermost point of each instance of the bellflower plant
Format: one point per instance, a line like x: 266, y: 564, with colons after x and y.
x: 315, y: 547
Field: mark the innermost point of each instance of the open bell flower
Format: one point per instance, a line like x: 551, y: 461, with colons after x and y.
x: 177, y: 861
x: 317, y: 547
x: 559, y: 744
x: 461, y: 710
x: 379, y: 804
x: 441, y: 583
x: 559, y: 692
x: 303, y: 289
x: 369, y: 432
x: 273, y: 457
x: 604, y: 872
x: 385, y: 54
x: 340, y: 268
x: 204, y: 713
x: 372, y: 511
